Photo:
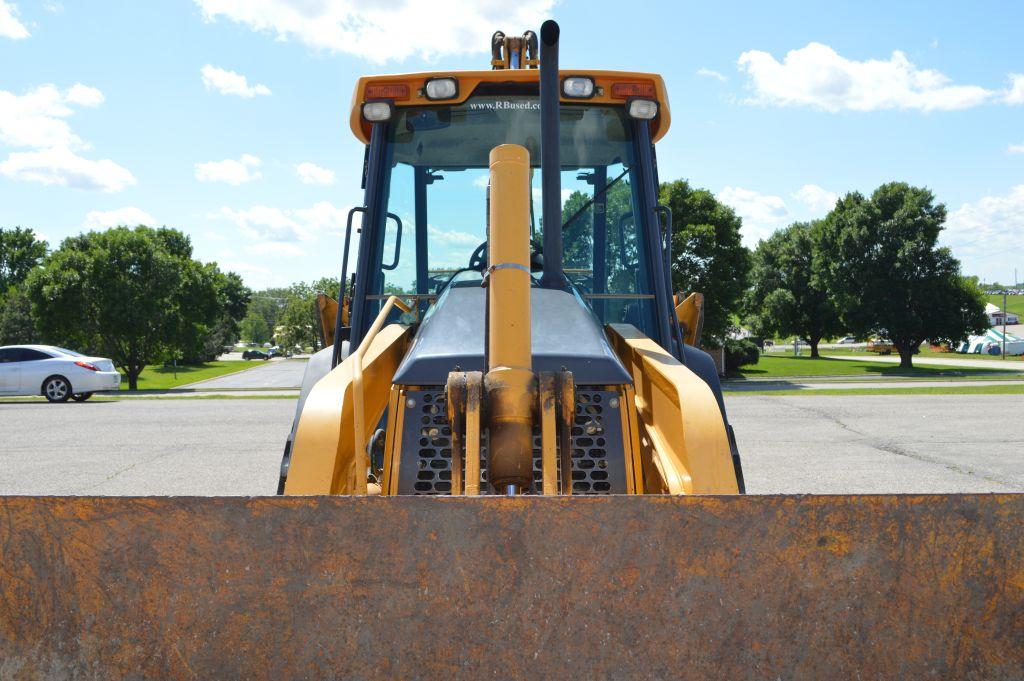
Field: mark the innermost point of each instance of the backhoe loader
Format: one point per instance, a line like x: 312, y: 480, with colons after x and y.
x: 496, y: 348
x: 512, y: 459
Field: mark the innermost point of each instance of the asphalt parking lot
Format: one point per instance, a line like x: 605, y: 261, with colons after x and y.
x: 266, y: 375
x: 801, y: 444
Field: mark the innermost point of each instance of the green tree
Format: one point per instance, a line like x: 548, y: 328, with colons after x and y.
x: 254, y: 328
x: 297, y: 323
x: 206, y: 341
x: 17, y: 326
x: 20, y: 252
x: 707, y: 253
x: 135, y: 295
x: 889, y: 275
x: 789, y: 289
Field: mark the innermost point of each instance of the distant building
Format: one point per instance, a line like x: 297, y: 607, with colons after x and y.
x: 996, y: 316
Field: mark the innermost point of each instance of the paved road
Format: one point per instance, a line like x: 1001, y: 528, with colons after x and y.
x: 1012, y: 364
x: 175, y: 447
x: 763, y: 384
x: 275, y: 373
x: 836, y: 444
x: 880, y: 443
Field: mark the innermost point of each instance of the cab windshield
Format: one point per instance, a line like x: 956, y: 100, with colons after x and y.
x: 435, y: 192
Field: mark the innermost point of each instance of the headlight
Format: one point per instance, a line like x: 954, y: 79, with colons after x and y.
x: 643, y: 109
x: 378, y: 112
x: 441, y: 88
x: 578, y: 87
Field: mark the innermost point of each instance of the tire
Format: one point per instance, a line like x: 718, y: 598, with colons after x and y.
x: 56, y: 389
x: 81, y: 397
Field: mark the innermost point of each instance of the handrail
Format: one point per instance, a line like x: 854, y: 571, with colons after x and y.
x: 358, y: 407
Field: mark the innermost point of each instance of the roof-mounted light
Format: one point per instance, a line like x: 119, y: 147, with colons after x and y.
x: 643, y: 89
x: 578, y: 87
x: 441, y: 88
x: 386, y: 91
x: 643, y: 109
x: 378, y: 112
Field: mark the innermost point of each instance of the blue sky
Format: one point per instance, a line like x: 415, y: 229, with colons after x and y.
x: 228, y: 118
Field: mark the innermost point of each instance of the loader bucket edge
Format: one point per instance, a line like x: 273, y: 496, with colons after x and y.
x: 681, y: 587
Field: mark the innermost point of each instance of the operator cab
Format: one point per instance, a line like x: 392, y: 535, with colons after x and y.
x: 424, y: 219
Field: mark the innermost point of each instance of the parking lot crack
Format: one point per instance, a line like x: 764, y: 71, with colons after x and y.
x: 889, y: 447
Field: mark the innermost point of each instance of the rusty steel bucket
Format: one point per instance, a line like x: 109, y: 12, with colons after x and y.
x: 805, y: 587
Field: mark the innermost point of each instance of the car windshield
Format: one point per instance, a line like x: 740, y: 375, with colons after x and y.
x: 65, y: 351
x: 436, y: 182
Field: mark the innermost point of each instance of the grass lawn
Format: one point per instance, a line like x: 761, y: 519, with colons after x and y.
x: 156, y: 377
x: 1014, y: 304
x: 937, y: 390
x: 788, y: 366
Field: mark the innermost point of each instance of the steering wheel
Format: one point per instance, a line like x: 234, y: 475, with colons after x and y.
x: 478, y: 260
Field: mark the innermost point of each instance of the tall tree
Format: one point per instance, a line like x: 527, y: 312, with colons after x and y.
x: 789, y: 288
x: 889, y: 275
x: 707, y: 253
x: 135, y: 295
x: 20, y: 252
x: 17, y: 326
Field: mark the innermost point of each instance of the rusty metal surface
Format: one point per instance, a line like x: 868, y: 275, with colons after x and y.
x: 608, y: 587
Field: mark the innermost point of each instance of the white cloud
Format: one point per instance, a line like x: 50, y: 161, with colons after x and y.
x: 481, y: 181
x: 311, y: 173
x: 10, y: 26
x: 452, y: 237
x: 992, y: 227
x: 1016, y: 148
x: 61, y: 166
x: 83, y: 95
x: 255, y: 276
x: 37, y: 118
x: 762, y: 214
x: 129, y: 216
x: 709, y: 73
x: 1015, y: 93
x: 816, y: 198
x: 230, y: 171
x: 817, y: 76
x: 382, y: 31
x: 324, y: 217
x: 231, y: 83
x: 272, y: 224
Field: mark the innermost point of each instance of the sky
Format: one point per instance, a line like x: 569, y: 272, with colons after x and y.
x: 227, y: 119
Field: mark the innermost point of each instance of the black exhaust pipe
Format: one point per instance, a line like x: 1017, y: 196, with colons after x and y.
x: 550, y: 161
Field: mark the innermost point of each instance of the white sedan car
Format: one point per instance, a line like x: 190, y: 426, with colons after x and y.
x: 55, y: 373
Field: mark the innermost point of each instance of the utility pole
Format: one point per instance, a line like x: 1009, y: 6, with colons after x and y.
x: 1004, y: 315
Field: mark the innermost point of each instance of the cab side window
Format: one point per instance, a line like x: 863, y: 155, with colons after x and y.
x: 29, y: 355
x: 9, y: 355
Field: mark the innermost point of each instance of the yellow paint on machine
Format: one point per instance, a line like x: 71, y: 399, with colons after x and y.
x: 683, y: 441
x: 323, y: 454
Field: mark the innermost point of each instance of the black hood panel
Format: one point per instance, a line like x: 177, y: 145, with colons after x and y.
x: 564, y: 333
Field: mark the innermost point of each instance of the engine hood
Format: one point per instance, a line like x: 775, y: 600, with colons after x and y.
x: 563, y: 331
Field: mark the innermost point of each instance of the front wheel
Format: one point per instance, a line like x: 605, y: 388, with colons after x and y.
x: 81, y: 397
x: 57, y: 389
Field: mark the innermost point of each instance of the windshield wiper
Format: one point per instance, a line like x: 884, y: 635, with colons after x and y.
x: 589, y: 203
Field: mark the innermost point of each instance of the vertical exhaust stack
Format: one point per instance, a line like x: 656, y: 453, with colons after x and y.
x: 510, y: 385
x: 550, y: 158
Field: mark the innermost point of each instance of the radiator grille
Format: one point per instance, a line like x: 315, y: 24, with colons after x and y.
x: 597, y: 457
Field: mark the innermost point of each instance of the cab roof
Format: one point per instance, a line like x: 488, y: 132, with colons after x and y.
x: 369, y: 87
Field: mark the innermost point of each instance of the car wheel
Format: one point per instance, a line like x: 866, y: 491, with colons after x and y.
x: 56, y: 389
x: 81, y: 397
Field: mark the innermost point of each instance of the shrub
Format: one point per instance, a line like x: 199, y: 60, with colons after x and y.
x: 740, y: 353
